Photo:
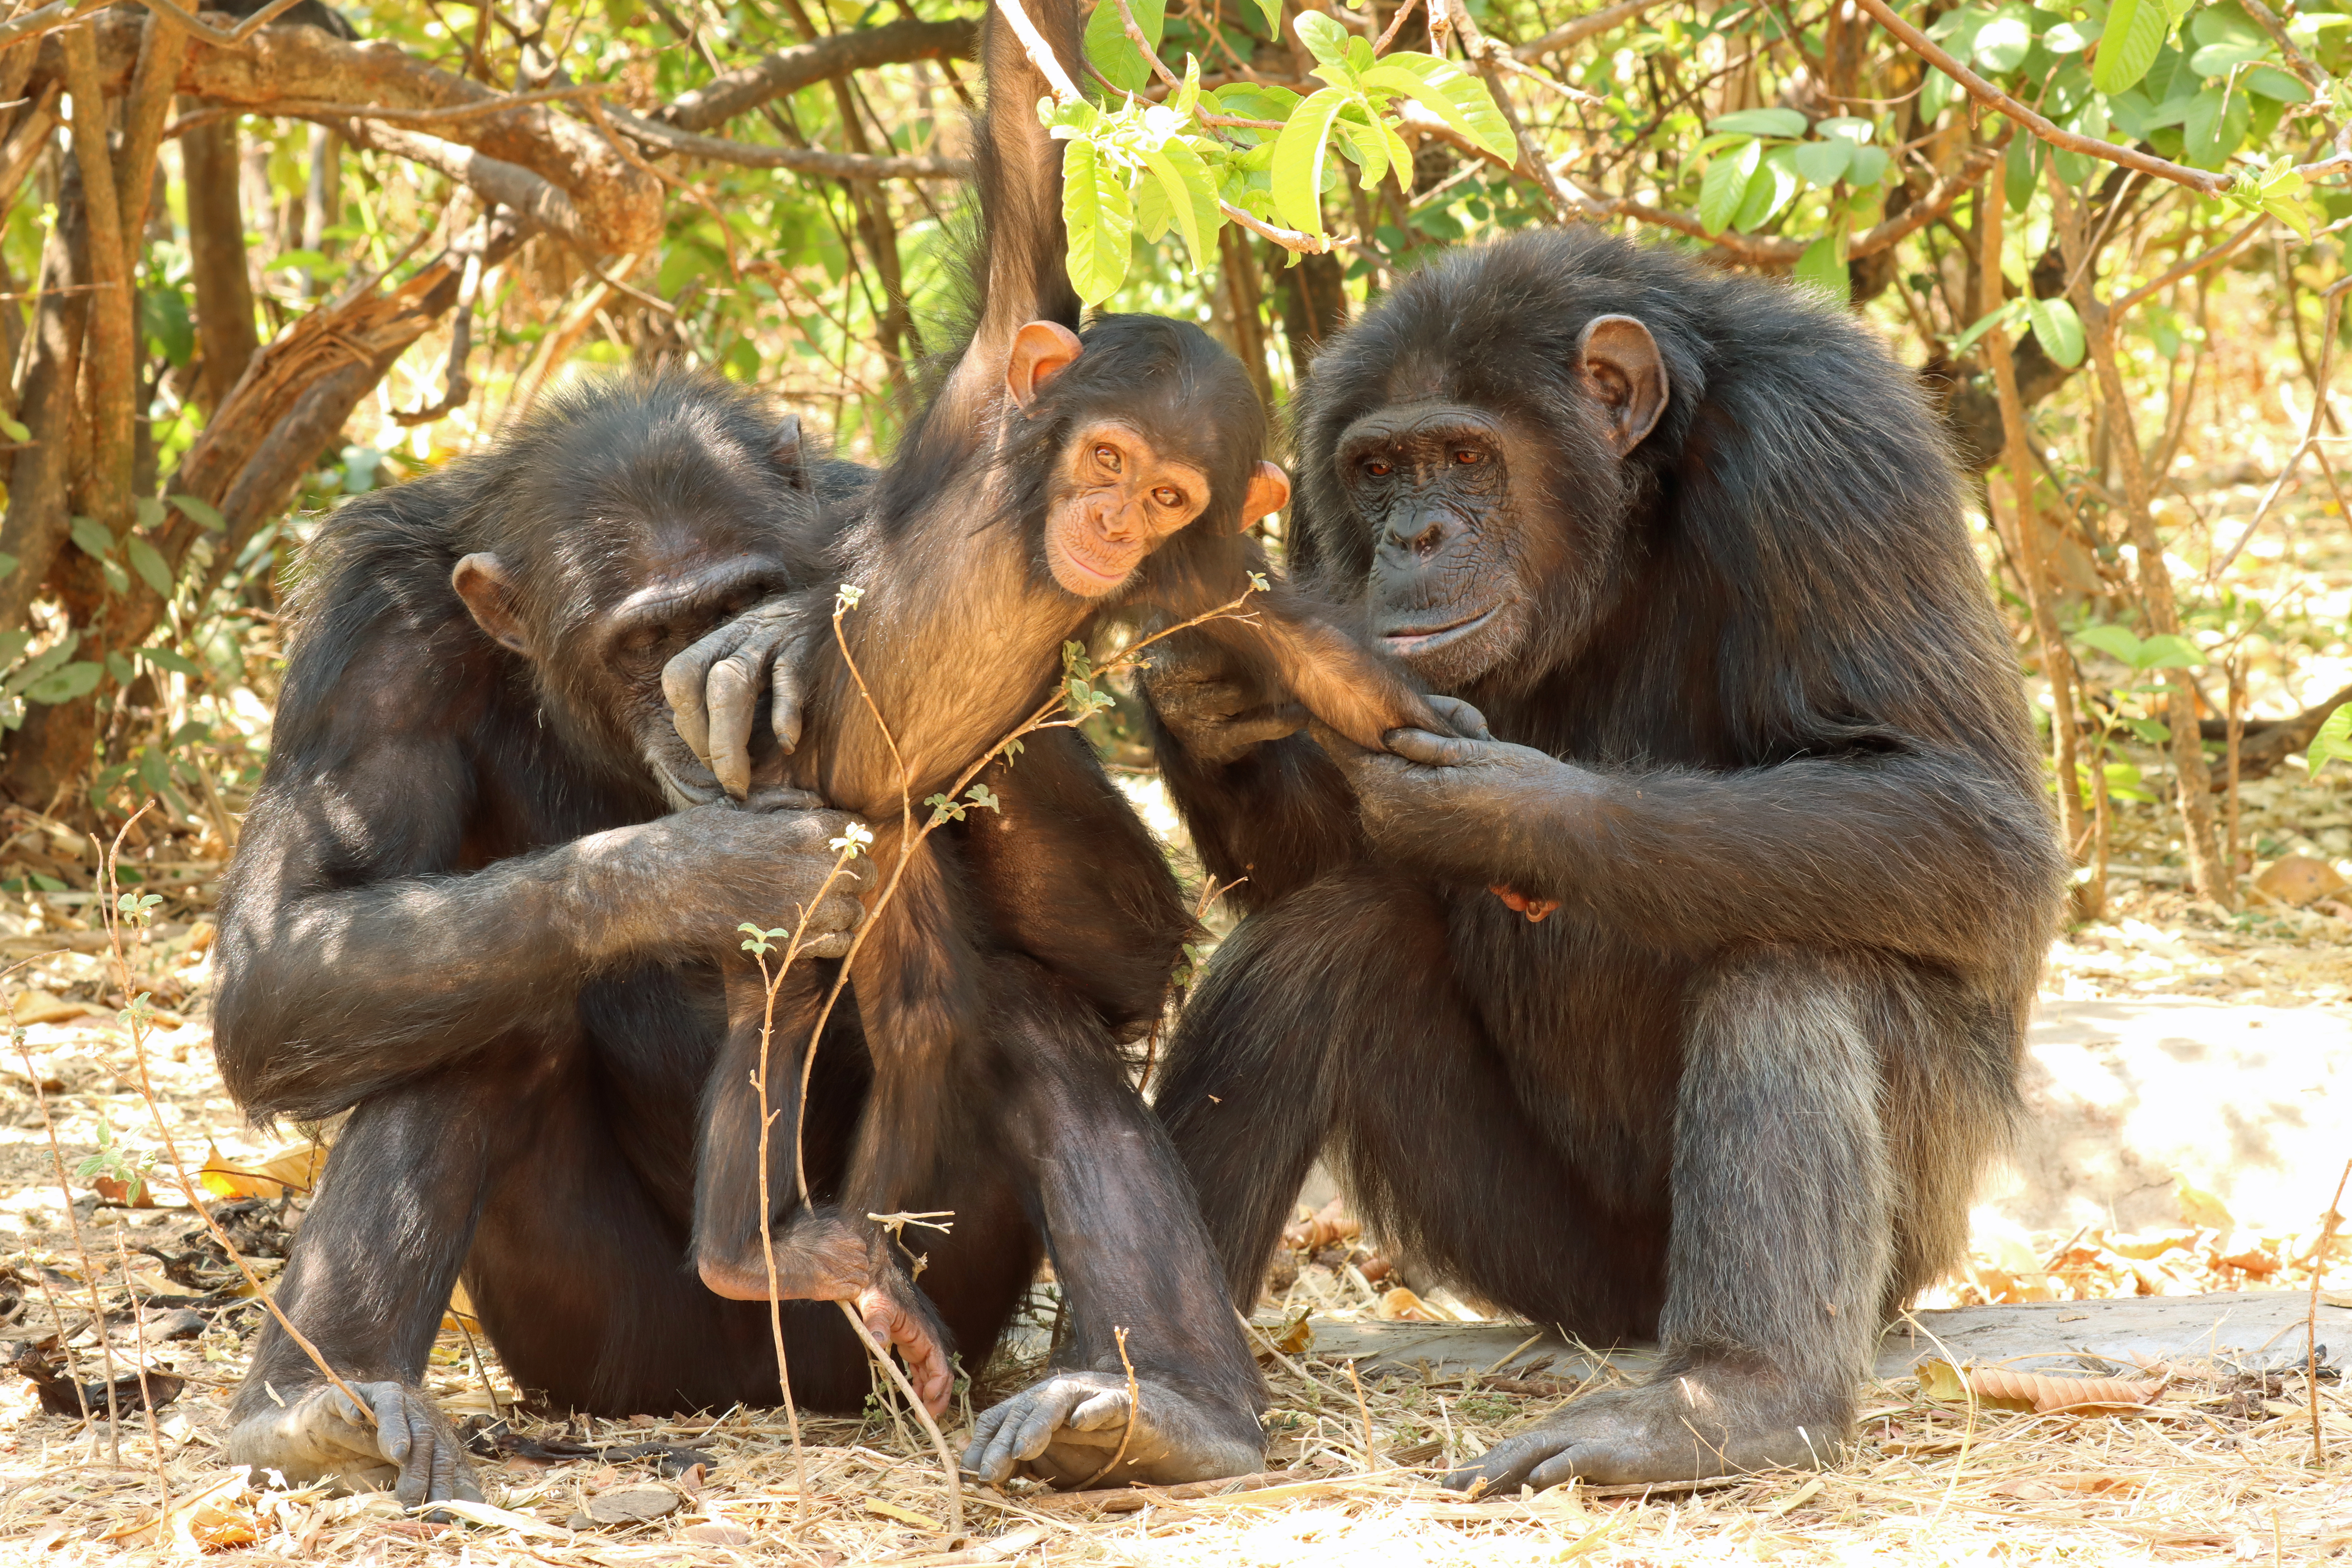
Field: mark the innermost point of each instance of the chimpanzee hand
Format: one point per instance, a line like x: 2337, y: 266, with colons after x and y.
x: 1215, y: 715
x: 320, y: 1435
x: 1708, y: 1421
x: 1465, y: 805
x: 690, y: 880
x: 1067, y: 1428
x: 713, y: 688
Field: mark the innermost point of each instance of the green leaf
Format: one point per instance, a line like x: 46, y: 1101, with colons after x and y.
x: 1869, y: 166
x: 1153, y: 216
x: 1191, y: 193
x: 1299, y: 153
x: 1785, y: 123
x: 2010, y: 311
x: 2275, y: 84
x: 13, y: 643
x: 1824, y: 162
x: 1370, y: 148
x: 2071, y: 37
x: 2333, y: 743
x: 65, y: 683
x: 1451, y: 93
x: 1823, y: 268
x: 1845, y: 128
x: 148, y: 562
x: 2058, y: 330
x: 1188, y: 96
x: 2135, y: 30
x: 2116, y: 642
x: 1272, y: 11
x: 2215, y: 126
x: 206, y: 515
x: 14, y: 429
x: 1724, y: 185
x: 8, y: 565
x: 1324, y: 38
x: 1113, y: 52
x: 2002, y: 43
x: 2219, y: 59
x: 2295, y: 215
x: 2169, y: 650
x: 1101, y: 226
x: 178, y: 664
x: 92, y: 536
x: 1769, y: 191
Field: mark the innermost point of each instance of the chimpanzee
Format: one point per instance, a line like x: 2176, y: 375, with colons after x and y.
x: 1695, y: 547
x: 1059, y: 478
x: 485, y: 898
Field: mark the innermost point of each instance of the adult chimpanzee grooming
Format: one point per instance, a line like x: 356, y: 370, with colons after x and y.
x: 466, y: 906
x: 1694, y: 547
x: 1059, y: 478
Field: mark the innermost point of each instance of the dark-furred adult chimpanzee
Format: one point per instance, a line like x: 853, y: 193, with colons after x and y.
x: 484, y: 897
x: 1058, y: 479
x: 1693, y: 545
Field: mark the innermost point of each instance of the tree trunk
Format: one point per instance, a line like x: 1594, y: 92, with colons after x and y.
x: 1314, y: 306
x: 225, y: 337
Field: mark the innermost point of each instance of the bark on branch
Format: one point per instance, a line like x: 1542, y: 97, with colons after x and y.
x: 789, y: 71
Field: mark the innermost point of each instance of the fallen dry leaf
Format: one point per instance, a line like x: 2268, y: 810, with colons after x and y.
x: 2038, y: 1392
x: 632, y: 1505
x: 2202, y: 1209
x: 903, y: 1515
x: 296, y: 1166
x: 40, y: 1008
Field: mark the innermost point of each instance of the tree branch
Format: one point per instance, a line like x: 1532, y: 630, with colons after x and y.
x: 657, y: 137
x: 1567, y: 34
x: 789, y: 71
x: 2201, y: 181
x: 535, y: 200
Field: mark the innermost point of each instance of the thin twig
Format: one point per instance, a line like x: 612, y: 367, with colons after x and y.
x: 2311, y: 1319
x: 2201, y: 181
x: 146, y: 1389
x: 1371, y: 1452
x: 2195, y: 264
x: 1134, y: 1401
x: 81, y: 1251
x: 136, y: 1022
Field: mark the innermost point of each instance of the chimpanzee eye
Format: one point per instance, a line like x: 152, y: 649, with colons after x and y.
x: 1377, y: 470
x: 1167, y: 497
x: 1107, y: 457
x: 1465, y: 455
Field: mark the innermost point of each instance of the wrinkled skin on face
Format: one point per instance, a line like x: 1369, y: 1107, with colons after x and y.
x: 1116, y: 496
x: 1444, y: 490
x: 618, y: 652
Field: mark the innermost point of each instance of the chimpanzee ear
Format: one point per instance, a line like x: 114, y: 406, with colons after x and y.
x: 1041, y: 351
x: 784, y: 451
x: 1269, y: 491
x: 481, y: 580
x: 1624, y: 370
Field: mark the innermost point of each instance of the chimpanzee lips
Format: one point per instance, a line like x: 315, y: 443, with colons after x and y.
x: 1425, y: 639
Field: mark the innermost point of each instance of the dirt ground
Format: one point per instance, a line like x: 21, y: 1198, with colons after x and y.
x: 2207, y: 1461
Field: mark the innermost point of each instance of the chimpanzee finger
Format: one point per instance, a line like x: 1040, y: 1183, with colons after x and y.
x: 1461, y: 717
x: 785, y: 692
x: 1503, y: 1467
x: 1432, y: 751
x: 684, y: 679
x: 733, y: 689
x: 782, y: 797
x: 1106, y: 1409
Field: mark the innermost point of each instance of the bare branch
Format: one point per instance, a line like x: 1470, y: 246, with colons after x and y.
x: 1569, y: 34
x: 659, y: 138
x: 2310, y: 74
x: 789, y: 71
x: 535, y: 200
x: 2195, y: 264
x: 2203, y: 182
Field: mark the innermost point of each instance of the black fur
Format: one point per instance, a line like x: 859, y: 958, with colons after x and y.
x: 1737, y: 1091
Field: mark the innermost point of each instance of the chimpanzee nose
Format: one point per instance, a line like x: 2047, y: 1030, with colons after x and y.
x: 1418, y: 531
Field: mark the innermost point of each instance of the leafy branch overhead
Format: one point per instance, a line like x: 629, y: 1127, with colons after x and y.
x: 1245, y: 151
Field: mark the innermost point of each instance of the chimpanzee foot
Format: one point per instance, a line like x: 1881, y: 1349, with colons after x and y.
x: 1067, y: 1428
x: 323, y: 1436
x: 1703, y: 1423
x: 895, y: 1325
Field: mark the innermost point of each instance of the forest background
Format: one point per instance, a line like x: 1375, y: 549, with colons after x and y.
x: 252, y: 264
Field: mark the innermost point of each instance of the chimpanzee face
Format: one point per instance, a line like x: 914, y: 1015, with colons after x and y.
x: 1433, y: 484
x: 1470, y: 510
x: 633, y: 554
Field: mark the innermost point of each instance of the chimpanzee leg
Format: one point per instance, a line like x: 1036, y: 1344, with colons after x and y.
x: 1336, y: 1017
x: 367, y: 1284
x: 1781, y: 1244
x: 1131, y: 1255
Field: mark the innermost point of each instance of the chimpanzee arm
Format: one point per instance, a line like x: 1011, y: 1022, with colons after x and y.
x: 355, y: 951
x: 1923, y: 851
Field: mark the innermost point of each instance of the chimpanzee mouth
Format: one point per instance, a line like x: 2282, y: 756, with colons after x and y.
x: 1428, y: 639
